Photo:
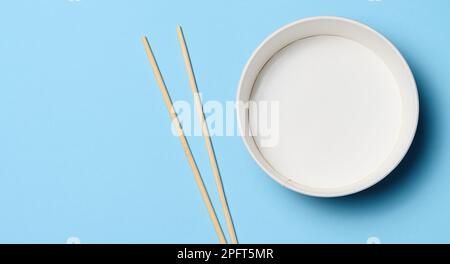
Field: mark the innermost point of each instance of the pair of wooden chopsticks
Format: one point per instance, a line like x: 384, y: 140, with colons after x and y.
x: 185, y: 144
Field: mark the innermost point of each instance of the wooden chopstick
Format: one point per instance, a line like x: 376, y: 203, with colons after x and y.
x: 184, y: 143
x: 206, y: 136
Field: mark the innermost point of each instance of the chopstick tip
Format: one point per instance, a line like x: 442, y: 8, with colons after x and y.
x: 144, y: 40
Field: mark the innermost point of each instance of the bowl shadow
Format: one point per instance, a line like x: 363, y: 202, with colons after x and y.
x: 402, y: 181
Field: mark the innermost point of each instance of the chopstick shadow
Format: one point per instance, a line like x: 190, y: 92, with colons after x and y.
x: 405, y: 179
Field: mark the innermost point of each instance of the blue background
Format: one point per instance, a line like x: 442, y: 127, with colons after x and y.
x: 85, y: 143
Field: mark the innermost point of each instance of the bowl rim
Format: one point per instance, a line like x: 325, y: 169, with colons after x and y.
x: 365, y: 182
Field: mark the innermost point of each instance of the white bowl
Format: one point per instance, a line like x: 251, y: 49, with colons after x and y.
x: 347, y: 106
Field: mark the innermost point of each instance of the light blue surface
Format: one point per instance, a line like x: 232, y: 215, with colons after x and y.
x: 85, y: 143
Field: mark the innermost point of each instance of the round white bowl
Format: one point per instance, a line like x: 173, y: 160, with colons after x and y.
x: 343, y: 106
